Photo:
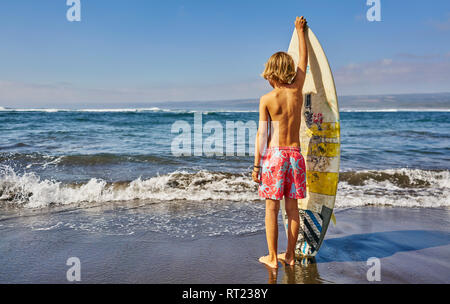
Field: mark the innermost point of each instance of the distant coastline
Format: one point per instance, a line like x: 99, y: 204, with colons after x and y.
x: 155, y: 109
x: 352, y: 103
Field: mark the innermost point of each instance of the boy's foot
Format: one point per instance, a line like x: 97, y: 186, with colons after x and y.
x: 288, y: 260
x: 268, y: 262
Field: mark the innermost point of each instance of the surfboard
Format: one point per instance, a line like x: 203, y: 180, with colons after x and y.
x: 320, y: 146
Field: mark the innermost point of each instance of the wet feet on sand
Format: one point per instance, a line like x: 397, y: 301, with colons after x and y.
x: 288, y: 261
x: 268, y: 262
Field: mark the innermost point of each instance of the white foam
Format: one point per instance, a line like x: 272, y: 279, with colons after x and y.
x: 48, y: 227
x: 385, y: 193
x: 30, y: 110
x: 30, y: 191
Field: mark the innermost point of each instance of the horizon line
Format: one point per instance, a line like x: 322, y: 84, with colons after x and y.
x: 223, y: 100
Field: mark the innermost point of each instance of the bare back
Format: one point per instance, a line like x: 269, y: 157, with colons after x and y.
x: 284, y: 107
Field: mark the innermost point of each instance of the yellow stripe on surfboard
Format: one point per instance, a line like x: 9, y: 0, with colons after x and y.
x: 324, y: 149
x: 322, y: 182
x: 327, y: 129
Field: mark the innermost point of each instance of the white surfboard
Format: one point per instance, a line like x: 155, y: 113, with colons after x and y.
x: 320, y: 145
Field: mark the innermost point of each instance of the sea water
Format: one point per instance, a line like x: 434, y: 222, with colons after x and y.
x: 50, y: 156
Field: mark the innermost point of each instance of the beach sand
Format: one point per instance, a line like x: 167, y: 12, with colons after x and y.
x: 412, y: 244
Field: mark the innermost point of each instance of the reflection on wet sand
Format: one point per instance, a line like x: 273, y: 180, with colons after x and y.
x: 303, y: 272
x: 273, y: 274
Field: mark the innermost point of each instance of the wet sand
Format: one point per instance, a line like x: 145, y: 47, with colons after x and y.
x: 413, y: 246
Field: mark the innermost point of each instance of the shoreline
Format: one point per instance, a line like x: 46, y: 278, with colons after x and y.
x: 413, y: 245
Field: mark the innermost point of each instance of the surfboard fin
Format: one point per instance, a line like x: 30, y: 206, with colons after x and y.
x: 333, y: 219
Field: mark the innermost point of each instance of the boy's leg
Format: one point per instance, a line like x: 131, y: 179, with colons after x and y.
x: 272, y: 208
x: 293, y: 226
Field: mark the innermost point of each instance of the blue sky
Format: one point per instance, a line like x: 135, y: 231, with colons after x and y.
x: 130, y: 51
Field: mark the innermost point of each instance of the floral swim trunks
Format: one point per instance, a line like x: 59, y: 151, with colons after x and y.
x: 283, y: 173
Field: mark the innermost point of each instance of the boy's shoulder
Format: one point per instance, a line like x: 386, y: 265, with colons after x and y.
x: 267, y: 97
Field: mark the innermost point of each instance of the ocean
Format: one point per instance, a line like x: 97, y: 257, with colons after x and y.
x: 59, y: 157
x: 104, y: 185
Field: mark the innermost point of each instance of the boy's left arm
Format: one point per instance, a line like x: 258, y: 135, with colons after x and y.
x: 261, y: 138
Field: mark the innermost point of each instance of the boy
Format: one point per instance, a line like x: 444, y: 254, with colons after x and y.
x: 283, y: 166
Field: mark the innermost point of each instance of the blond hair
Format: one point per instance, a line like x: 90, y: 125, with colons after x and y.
x: 280, y: 67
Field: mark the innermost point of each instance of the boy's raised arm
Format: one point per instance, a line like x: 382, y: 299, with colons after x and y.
x: 300, y: 26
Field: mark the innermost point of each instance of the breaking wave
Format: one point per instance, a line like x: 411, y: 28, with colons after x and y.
x: 29, y: 190
x: 394, y: 187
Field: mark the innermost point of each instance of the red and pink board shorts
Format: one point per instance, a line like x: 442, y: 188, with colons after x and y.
x: 283, y: 173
